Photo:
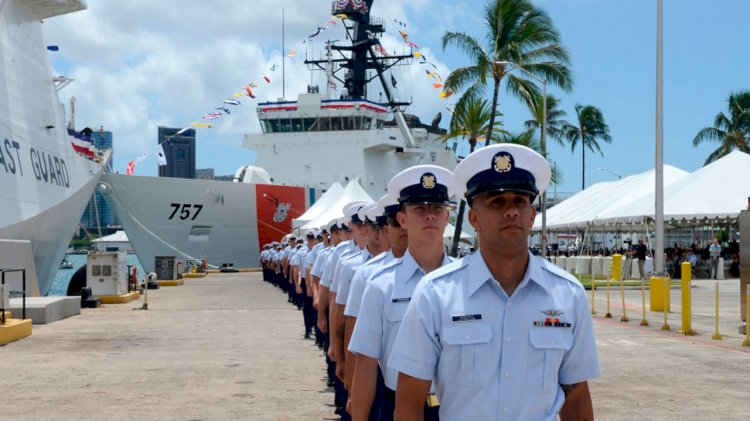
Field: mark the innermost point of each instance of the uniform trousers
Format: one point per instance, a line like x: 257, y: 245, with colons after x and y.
x: 308, y: 312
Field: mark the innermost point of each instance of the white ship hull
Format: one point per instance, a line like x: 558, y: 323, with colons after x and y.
x: 190, y: 219
x: 45, y: 184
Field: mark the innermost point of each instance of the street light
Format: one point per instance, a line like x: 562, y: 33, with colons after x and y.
x: 619, y: 177
x: 543, y: 143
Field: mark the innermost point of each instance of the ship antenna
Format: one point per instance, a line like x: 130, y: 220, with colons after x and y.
x: 283, y: 57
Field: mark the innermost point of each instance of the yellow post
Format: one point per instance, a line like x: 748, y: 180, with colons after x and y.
x: 644, y: 322
x: 687, y: 301
x: 624, y: 317
x: 593, y: 290
x: 665, y: 326
x: 746, y: 342
x: 716, y: 334
x: 616, y: 274
x: 659, y: 298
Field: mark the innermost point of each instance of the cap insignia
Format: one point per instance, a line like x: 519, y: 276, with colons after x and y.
x: 429, y: 181
x: 502, y: 162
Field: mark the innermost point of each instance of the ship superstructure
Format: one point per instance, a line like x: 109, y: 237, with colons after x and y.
x: 45, y: 182
x: 318, y: 139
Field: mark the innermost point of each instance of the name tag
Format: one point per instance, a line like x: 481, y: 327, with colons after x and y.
x: 467, y: 317
x: 401, y: 300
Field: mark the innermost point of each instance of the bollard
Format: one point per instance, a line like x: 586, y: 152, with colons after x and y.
x: 746, y: 342
x: 644, y: 322
x: 616, y: 274
x: 624, y: 317
x: 593, y: 290
x: 687, y: 327
x: 608, y: 315
x: 716, y: 334
x: 665, y: 326
x: 659, y: 298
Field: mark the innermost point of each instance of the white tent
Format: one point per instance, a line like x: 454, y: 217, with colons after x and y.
x: 329, y: 197
x: 586, y: 208
x: 351, y: 193
x: 118, y: 240
x: 450, y: 230
x: 715, y: 193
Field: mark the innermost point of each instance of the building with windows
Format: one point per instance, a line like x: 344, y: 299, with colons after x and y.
x: 179, y: 151
x: 98, y: 214
x: 204, y: 173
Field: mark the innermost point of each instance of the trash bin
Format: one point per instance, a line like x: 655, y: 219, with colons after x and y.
x: 658, y: 291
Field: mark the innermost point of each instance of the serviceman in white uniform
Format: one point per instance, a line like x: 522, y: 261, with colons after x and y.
x: 504, y: 334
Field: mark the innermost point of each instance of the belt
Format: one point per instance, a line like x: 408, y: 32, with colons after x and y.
x: 431, y: 401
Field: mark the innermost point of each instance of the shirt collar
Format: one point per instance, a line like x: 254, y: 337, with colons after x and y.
x: 479, y: 273
x: 409, y: 266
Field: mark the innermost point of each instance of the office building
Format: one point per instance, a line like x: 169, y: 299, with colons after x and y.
x: 179, y: 151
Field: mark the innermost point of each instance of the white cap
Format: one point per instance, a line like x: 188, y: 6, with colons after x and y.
x: 422, y: 184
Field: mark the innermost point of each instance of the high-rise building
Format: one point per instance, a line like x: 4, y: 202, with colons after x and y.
x: 204, y: 173
x: 179, y: 151
x: 98, y: 215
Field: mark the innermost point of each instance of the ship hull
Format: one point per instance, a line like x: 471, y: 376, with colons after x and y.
x: 190, y: 219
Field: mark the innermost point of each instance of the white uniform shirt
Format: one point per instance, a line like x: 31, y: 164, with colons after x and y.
x: 492, y: 356
x: 361, y: 276
x: 343, y: 258
x: 320, y: 261
x: 347, y: 272
x: 312, y: 255
x: 332, y: 262
x: 384, y: 304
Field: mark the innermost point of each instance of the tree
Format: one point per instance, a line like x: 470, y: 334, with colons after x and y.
x: 591, y: 126
x: 555, y: 117
x: 730, y: 131
x: 516, y: 32
x: 470, y: 120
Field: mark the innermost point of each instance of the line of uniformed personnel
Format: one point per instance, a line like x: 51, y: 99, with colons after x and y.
x: 411, y: 334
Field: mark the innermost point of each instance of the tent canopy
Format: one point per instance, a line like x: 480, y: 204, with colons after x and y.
x: 463, y: 238
x: 118, y: 236
x: 351, y: 193
x: 715, y: 193
x: 326, y: 200
x: 585, y: 209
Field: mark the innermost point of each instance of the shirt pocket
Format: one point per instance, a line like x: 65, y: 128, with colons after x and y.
x: 395, y: 310
x: 468, y: 350
x: 547, y: 348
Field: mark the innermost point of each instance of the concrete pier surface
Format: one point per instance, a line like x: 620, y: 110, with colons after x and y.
x: 229, y: 346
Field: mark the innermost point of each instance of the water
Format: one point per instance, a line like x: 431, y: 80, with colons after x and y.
x: 62, y: 278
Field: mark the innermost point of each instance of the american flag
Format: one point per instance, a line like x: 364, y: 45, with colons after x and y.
x: 379, y: 48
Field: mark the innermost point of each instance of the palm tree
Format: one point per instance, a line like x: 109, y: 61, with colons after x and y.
x: 730, y: 131
x: 516, y: 32
x: 470, y: 120
x: 554, y: 117
x: 527, y: 138
x: 591, y: 126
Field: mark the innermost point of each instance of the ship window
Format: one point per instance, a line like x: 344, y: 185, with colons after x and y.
x: 335, y: 124
x: 380, y: 124
x: 265, y: 127
x: 347, y: 123
x: 309, y: 124
x: 366, y: 123
x: 274, y: 126
x: 297, y: 125
x: 285, y: 125
x: 324, y: 124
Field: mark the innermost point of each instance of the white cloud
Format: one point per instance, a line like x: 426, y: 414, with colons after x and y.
x: 141, y: 64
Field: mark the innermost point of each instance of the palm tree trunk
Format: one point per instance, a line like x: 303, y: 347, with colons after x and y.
x: 583, y: 156
x: 461, y: 210
x: 494, y: 111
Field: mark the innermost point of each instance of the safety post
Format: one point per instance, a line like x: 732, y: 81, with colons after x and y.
x: 716, y: 334
x: 746, y: 342
x: 687, y: 328
x: 666, y: 326
x: 593, y: 290
x: 624, y: 317
x: 616, y: 274
x: 644, y: 322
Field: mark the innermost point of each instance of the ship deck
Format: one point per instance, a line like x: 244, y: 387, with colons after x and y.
x: 229, y: 346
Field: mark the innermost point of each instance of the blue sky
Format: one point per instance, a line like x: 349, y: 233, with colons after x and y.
x: 139, y: 65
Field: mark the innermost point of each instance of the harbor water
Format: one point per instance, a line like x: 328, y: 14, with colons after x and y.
x: 62, y: 278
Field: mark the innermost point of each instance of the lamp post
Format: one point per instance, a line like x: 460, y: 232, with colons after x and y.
x: 619, y: 177
x: 543, y: 144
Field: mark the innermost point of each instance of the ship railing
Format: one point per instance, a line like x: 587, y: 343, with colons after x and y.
x: 15, y: 293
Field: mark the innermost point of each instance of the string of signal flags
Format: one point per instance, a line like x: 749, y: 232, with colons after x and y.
x: 249, y: 91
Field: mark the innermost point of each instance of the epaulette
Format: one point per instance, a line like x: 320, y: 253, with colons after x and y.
x: 447, y: 269
x: 557, y: 270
